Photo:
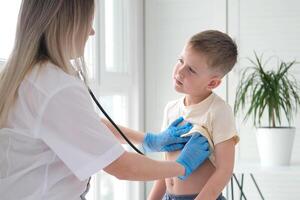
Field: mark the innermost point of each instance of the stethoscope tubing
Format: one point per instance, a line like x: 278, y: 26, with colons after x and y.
x: 113, y: 123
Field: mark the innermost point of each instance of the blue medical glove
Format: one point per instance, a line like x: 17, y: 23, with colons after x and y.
x: 169, y: 139
x: 194, y: 153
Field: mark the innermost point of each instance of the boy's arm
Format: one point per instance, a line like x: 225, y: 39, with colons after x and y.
x: 158, y: 190
x: 224, y: 153
x: 136, y: 137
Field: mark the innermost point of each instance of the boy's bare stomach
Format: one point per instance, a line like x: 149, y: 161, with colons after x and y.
x: 194, y: 183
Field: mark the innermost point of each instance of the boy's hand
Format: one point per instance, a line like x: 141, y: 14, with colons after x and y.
x: 194, y: 153
x: 168, y: 140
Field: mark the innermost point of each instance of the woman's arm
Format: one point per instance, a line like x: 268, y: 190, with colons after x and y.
x: 136, y: 137
x: 158, y: 190
x: 167, y: 140
x: 224, y: 153
x: 132, y: 166
x: 135, y: 167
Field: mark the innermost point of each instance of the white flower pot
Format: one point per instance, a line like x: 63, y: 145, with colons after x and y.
x: 275, y: 145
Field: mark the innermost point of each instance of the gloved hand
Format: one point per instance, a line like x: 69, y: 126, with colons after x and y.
x: 194, y: 153
x: 168, y: 140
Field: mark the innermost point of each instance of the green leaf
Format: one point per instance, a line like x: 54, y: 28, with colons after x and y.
x: 272, y: 91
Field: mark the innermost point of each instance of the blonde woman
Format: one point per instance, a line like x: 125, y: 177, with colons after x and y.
x: 51, y: 140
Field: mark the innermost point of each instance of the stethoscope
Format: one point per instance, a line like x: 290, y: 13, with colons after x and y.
x: 80, y: 74
x: 82, y: 196
x: 112, y: 122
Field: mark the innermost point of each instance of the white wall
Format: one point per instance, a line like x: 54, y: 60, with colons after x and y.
x: 168, y: 24
x: 271, y: 27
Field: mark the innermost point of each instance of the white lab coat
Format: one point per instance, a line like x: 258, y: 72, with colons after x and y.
x: 54, y: 141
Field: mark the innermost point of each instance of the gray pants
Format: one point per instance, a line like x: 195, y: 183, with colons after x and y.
x: 168, y: 196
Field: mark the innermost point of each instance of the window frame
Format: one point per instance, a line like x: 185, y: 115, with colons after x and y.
x: 130, y: 84
x: 2, y: 61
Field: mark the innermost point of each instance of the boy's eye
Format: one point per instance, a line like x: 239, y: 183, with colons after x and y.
x: 191, y: 70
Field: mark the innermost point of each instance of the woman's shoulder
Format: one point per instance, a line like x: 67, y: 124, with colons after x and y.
x: 49, y: 78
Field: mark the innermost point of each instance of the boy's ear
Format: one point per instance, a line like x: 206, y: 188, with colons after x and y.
x: 214, y: 82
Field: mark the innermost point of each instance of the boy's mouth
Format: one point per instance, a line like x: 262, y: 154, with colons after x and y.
x: 177, y: 81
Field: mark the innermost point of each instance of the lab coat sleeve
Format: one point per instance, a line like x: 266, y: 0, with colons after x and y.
x: 72, y: 129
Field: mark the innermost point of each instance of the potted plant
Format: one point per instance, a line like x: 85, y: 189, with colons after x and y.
x: 271, y: 95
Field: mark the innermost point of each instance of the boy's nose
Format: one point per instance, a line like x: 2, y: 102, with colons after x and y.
x: 180, y: 75
x: 181, y: 71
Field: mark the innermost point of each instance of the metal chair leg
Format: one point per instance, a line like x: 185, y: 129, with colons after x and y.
x: 256, y: 185
x: 242, y: 183
x: 232, y: 193
x: 239, y: 186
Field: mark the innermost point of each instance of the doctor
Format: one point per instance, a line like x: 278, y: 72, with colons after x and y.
x: 51, y: 140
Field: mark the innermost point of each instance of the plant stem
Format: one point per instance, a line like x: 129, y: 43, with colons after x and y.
x: 273, y: 118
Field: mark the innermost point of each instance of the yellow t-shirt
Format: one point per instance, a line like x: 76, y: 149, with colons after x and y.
x: 212, y: 117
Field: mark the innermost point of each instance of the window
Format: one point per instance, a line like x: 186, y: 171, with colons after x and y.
x: 8, y: 19
x: 114, y: 57
x: 114, y: 41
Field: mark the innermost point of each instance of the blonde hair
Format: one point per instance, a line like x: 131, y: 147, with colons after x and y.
x: 220, y: 50
x: 47, y: 31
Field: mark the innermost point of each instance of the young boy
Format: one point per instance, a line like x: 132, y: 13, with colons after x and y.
x: 206, y: 58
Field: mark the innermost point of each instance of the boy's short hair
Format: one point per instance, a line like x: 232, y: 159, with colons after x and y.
x: 219, y: 49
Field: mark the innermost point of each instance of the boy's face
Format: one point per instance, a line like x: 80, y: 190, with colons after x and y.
x: 192, y: 75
